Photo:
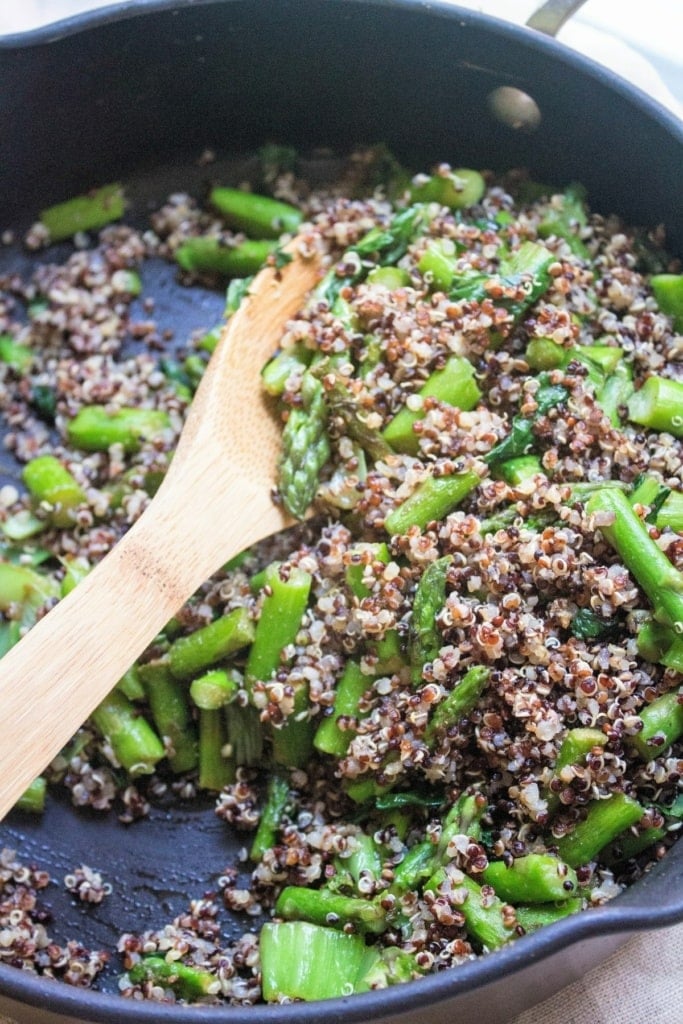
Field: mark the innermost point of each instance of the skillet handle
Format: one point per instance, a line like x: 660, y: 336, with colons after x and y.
x: 551, y: 16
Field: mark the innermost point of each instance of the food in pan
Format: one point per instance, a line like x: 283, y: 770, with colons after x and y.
x: 446, y: 709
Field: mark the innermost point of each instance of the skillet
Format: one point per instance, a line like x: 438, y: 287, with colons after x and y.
x: 138, y: 92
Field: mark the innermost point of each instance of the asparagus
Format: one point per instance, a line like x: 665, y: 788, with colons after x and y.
x: 670, y: 512
x: 390, y: 278
x: 277, y: 798
x: 540, y: 915
x: 10, y: 633
x: 32, y: 800
x: 206, y: 254
x: 84, y: 213
x: 455, y: 189
x: 244, y: 734
x: 300, y: 960
x: 329, y: 737
x: 662, y: 725
x: 215, y: 689
x: 438, y: 264
x: 516, y: 471
x: 258, y: 216
x: 660, y: 644
x: 658, y: 404
x: 279, y: 369
x: 279, y: 622
x: 483, y: 912
x: 661, y: 581
x: 134, y: 743
x: 459, y: 702
x: 535, y: 878
x: 567, y: 219
x: 14, y: 354
x: 49, y: 481
x: 425, y: 640
x: 95, y: 429
x: 604, y: 821
x: 305, y: 448
x: 323, y: 907
x: 76, y: 568
x: 454, y: 385
x: 431, y: 501
x: 188, y: 982
x: 25, y: 590
x: 614, y: 394
x: 630, y: 844
x: 167, y: 699
x: 191, y: 654
x: 668, y: 291
x: 575, y: 747
x: 215, y: 769
x: 22, y: 525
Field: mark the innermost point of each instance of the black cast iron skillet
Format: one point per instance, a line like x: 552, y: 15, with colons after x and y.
x: 138, y: 92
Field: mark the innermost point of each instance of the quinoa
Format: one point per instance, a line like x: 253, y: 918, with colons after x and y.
x: 522, y: 561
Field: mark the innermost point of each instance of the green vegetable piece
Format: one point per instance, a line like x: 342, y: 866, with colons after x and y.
x: 258, y: 216
x: 168, y: 703
x: 277, y: 798
x: 279, y: 622
x: 604, y: 821
x: 245, y: 734
x: 188, y: 982
x: 459, y: 702
x: 662, y: 725
x: 209, y: 341
x: 541, y: 915
x: 390, y: 278
x: 630, y: 844
x: 324, y: 907
x: 27, y: 589
x: 49, y: 481
x: 418, y: 864
x: 215, y: 689
x: 516, y: 471
x: 613, y: 396
x: 206, y: 254
x: 10, y: 632
x: 95, y: 429
x: 658, y: 405
x: 305, y: 448
x: 190, y: 655
x: 661, y: 581
x: 355, y: 570
x: 431, y: 501
x: 22, y: 525
x: 536, y: 878
x: 279, y: 369
x: 14, y: 354
x: 300, y: 960
x: 425, y: 639
x: 483, y: 914
x: 588, y: 625
x: 454, y: 384
x: 455, y: 189
x: 668, y: 291
x: 88, y: 212
x: 329, y: 737
x: 76, y: 568
x: 216, y: 769
x: 670, y: 512
x: 437, y: 264
x: 565, y: 218
x: 131, y: 685
x: 661, y: 644
x: 134, y: 743
x: 521, y: 437
x: 32, y: 800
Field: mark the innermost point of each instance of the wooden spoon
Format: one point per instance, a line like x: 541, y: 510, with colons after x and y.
x: 213, y: 503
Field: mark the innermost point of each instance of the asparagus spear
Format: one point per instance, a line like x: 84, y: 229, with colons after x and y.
x: 668, y: 291
x: 277, y: 798
x: 662, y: 725
x: 300, y: 960
x: 458, y: 702
x: 215, y: 769
x: 215, y: 689
x: 168, y: 704
x: 621, y: 527
x: 206, y: 254
x: 431, y: 500
x: 32, y: 800
x: 454, y: 384
x: 95, y: 429
x: 258, y: 216
x: 191, y: 654
x: 14, y: 354
x: 51, y: 482
x: 658, y: 405
x: 188, y: 982
x: 567, y: 219
x: 483, y: 913
x: 133, y: 741
x: 535, y: 878
x: 305, y: 448
x: 329, y: 737
x: 455, y: 189
x: 604, y: 821
x: 324, y: 907
x: 84, y: 213
x: 539, y: 915
x: 425, y: 640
